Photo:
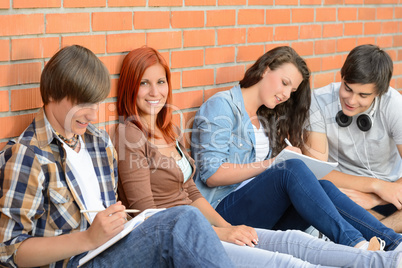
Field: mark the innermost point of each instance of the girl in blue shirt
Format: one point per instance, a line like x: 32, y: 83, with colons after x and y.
x: 235, y: 176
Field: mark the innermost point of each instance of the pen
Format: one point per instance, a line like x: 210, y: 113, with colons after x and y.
x: 288, y: 142
x: 99, y: 210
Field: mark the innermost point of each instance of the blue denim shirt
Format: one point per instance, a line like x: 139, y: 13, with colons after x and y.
x: 222, y: 133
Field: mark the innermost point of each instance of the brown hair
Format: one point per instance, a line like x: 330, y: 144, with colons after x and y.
x: 287, y: 119
x: 368, y: 64
x: 76, y: 73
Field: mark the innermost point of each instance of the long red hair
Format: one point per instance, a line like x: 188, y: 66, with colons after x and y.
x: 134, y: 65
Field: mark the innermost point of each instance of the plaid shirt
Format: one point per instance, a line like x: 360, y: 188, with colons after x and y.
x: 39, y: 195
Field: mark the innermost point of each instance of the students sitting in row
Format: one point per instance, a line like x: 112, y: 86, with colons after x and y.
x: 61, y: 164
x: 155, y: 171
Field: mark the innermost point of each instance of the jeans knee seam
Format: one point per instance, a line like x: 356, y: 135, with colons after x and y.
x: 353, y: 241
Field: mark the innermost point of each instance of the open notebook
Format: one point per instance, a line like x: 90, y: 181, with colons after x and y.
x: 128, y: 227
x: 318, y: 167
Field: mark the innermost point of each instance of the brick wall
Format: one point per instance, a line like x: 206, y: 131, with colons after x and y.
x: 208, y: 43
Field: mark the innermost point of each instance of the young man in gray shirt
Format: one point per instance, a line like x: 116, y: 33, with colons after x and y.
x: 358, y: 123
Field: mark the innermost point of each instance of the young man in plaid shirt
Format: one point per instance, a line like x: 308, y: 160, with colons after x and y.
x: 62, y: 164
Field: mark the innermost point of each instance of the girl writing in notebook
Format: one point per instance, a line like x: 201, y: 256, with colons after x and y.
x: 236, y: 136
x: 156, y: 172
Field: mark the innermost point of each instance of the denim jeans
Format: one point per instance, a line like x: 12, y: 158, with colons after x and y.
x: 290, y: 197
x: 177, y: 237
x: 294, y: 248
x: 181, y: 237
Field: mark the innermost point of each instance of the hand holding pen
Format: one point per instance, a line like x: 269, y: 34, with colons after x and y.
x: 107, y: 223
x: 291, y: 148
x: 288, y: 142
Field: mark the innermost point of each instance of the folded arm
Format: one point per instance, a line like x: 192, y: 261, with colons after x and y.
x: 230, y: 173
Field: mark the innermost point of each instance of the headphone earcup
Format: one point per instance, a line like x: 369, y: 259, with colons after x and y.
x: 342, y: 119
x: 364, y: 122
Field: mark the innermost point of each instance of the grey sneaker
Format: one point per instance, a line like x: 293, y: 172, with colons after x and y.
x: 314, y: 232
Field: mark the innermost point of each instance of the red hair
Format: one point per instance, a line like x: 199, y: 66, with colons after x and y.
x: 134, y: 65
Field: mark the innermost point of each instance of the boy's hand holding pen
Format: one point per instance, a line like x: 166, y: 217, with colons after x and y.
x: 106, y: 224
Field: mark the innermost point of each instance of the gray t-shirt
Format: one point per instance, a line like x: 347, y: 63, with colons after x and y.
x: 372, y: 153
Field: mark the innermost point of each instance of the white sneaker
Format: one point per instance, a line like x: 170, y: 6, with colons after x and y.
x: 374, y: 244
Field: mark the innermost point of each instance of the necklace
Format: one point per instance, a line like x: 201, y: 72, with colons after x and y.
x: 71, y: 142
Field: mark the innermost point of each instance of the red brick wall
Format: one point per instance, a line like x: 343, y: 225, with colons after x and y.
x: 208, y: 43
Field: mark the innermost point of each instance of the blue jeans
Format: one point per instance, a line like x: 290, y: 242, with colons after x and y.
x: 297, y: 249
x: 290, y: 197
x: 176, y: 237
